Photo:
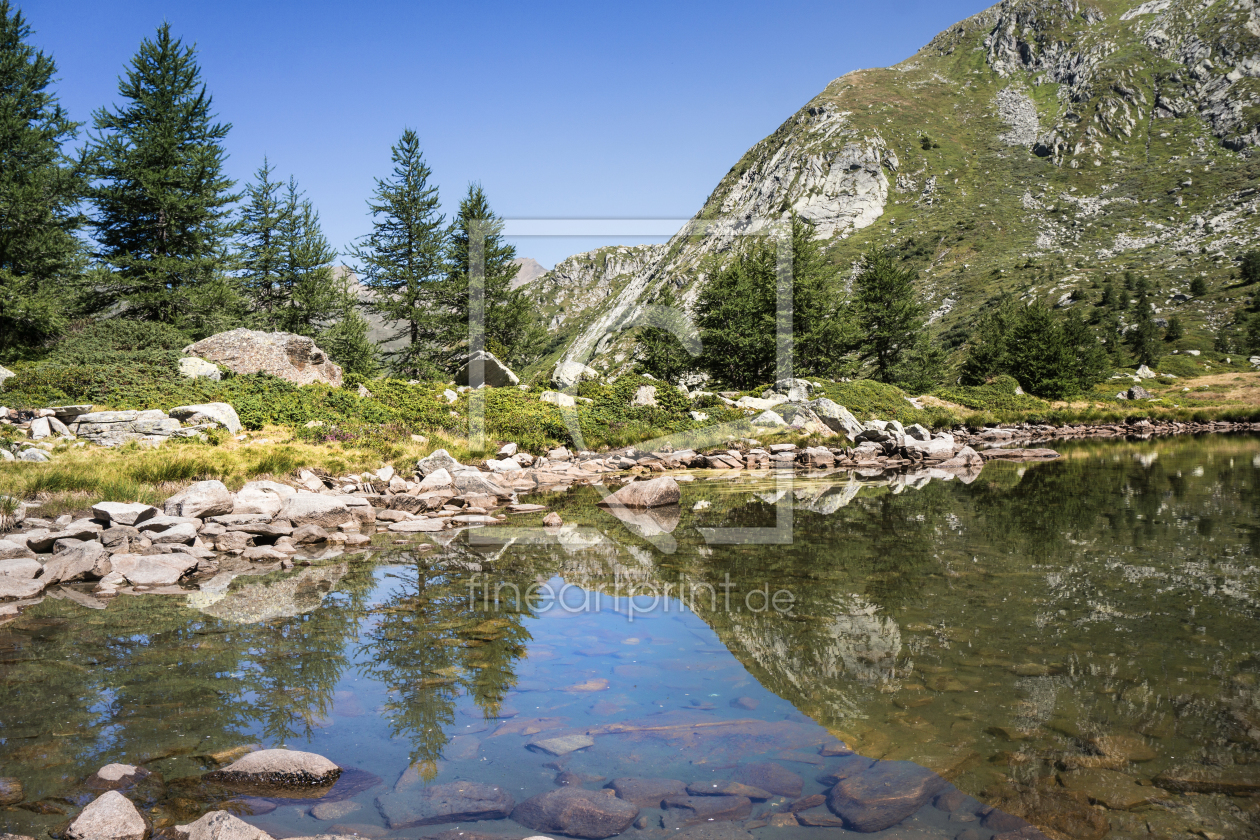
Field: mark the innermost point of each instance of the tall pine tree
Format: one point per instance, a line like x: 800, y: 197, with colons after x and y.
x: 261, y: 246
x: 887, y: 313
x: 161, y: 200
x: 40, y: 256
x: 479, y: 260
x: 401, y: 260
x: 1143, y: 336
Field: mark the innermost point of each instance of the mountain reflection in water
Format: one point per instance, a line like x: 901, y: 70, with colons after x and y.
x: 1044, y: 637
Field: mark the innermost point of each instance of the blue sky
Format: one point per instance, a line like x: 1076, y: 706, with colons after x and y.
x: 570, y: 110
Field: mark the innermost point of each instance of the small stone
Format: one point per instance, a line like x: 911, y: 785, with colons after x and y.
x: 418, y: 526
x: 552, y: 520
x: 220, y: 825
x: 329, y: 811
x: 696, y: 809
x: 408, y: 806
x: 202, y: 499
x: 561, y: 745
x: 884, y: 795
x: 744, y: 703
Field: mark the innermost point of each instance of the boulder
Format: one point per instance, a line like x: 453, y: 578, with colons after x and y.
x: 194, y: 368
x: 13, y: 550
x: 295, y: 358
x: 504, y: 466
x: 309, y: 534
x: 220, y: 825
x: 659, y: 492
x: 220, y: 413
x: 1137, y: 392
x: 965, y: 459
x: 645, y: 396
x: 436, y: 480
x: 493, y: 373
x: 36, y: 455
x: 769, y: 419
x: 761, y: 404
x: 279, y: 769
x: 568, y: 374
x: 200, y: 500
x: 86, y: 561
x: 21, y: 568
x: 153, y: 569
x: 1144, y: 372
x: 40, y: 428
x: 111, y: 816
x: 123, y: 513
x: 577, y: 813
x: 439, y: 460
x: 918, y: 432
x: 884, y: 795
x: 19, y: 589
x: 418, y: 526
x: 475, y: 483
x: 5, y: 374
x: 181, y: 534
x: 114, y: 428
x: 261, y: 497
x: 407, y: 806
x: 727, y: 788
x: 647, y: 793
x: 558, y: 399
x: 312, y: 509
x: 115, y: 777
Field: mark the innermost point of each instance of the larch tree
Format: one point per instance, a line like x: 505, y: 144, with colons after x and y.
x: 401, y: 262
x: 161, y: 201
x: 41, y: 259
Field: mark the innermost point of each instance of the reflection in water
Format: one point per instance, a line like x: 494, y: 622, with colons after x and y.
x: 1024, y: 635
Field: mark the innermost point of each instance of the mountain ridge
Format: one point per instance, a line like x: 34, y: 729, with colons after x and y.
x: 1036, y: 148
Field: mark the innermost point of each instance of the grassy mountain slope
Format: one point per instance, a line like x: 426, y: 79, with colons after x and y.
x: 1035, y: 149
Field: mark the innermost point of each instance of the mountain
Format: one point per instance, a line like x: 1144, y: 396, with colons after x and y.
x: 529, y: 270
x: 1034, y: 149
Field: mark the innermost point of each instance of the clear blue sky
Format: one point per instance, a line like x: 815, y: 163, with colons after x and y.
x: 573, y: 110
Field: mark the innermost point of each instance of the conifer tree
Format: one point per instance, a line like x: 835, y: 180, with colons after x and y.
x: 479, y: 260
x: 1143, y: 337
x: 308, y: 292
x: 401, y: 260
x: 41, y: 259
x: 262, y: 248
x: 887, y: 313
x: 659, y: 352
x: 161, y: 198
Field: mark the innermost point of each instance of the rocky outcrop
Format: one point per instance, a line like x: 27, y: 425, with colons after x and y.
x: 288, y: 356
x: 484, y: 367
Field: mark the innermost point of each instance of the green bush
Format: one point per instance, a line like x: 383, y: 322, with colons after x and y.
x: 999, y: 394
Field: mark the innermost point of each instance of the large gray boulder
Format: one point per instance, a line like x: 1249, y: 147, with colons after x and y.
x: 262, y: 497
x: 86, y: 561
x: 194, y: 368
x: 288, y: 356
x: 19, y: 589
x: 658, y: 492
x: 836, y: 417
x: 219, y: 412
x: 314, y: 509
x: 494, y: 373
x: 14, y: 550
x: 23, y: 568
x: 153, y: 569
x: 114, y: 428
x: 439, y: 460
x: 278, y: 769
x: 123, y: 513
x: 32, y: 454
x: 111, y: 816
x: 568, y: 374
x: 202, y: 499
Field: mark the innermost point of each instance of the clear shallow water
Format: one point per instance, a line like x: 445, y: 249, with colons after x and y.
x: 1044, y: 636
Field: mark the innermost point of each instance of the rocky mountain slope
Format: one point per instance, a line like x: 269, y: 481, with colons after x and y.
x: 1036, y: 149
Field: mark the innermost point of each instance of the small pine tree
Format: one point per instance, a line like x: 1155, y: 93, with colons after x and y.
x: 886, y: 312
x: 307, y: 291
x: 1249, y: 271
x: 261, y: 248
x: 1143, y: 338
x: 345, y: 337
x: 1174, y: 330
x: 162, y: 201
x: 401, y: 260
x: 41, y: 259
x: 1253, y: 334
x: 735, y: 314
x: 1198, y: 287
x: 924, y: 366
x: 986, y: 349
x: 1039, y: 354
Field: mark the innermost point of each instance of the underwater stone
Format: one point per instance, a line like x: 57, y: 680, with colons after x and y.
x: 579, y: 813
x: 884, y: 795
x: 407, y: 806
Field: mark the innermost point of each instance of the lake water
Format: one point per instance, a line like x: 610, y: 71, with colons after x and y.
x: 1077, y: 643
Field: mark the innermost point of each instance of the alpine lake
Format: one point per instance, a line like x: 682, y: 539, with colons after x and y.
x: 1073, y: 643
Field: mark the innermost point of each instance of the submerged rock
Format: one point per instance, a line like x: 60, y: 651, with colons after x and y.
x: 699, y: 809
x: 884, y: 795
x: 647, y: 793
x: 277, y: 769
x: 408, y: 805
x: 770, y: 776
x: 589, y: 814
x: 111, y: 816
x: 11, y: 791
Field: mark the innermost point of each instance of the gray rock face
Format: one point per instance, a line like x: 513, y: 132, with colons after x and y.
x: 292, y: 357
x: 312, y: 509
x: 439, y: 460
x: 408, y: 806
x: 219, y: 413
x: 114, y: 428
x: 123, y: 513
x: 883, y: 796
x: 796, y: 390
x: 578, y: 813
x: 659, y: 492
x: 278, y: 769
x: 493, y: 372
x: 476, y: 483
x: 111, y: 816
x: 220, y: 825
x: 202, y: 499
